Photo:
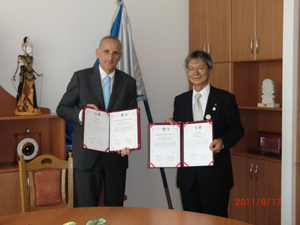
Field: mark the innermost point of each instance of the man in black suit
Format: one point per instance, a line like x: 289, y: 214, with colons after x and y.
x: 85, y: 89
x: 205, y: 189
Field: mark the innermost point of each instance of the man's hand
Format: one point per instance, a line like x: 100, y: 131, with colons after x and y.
x: 125, y: 151
x: 170, y: 121
x: 93, y: 106
x: 216, y: 145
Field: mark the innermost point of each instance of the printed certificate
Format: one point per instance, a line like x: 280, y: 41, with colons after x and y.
x: 197, y: 137
x: 182, y: 145
x: 124, y: 130
x: 164, y: 145
x: 104, y: 131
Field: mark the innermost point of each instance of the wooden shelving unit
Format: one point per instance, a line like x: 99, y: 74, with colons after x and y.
x: 257, y: 23
x: 49, y: 127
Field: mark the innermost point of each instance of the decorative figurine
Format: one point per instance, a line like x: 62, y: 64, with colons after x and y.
x: 26, y: 94
x: 268, y: 90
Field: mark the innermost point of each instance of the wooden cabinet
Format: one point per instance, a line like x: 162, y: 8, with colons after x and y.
x: 257, y: 30
x: 221, y: 76
x: 10, y: 199
x: 265, y: 185
x: 51, y: 131
x: 256, y: 23
x: 49, y: 127
x: 256, y: 195
x: 209, y: 28
x: 247, y: 87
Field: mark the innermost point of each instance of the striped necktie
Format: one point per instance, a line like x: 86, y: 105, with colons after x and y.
x: 197, y: 111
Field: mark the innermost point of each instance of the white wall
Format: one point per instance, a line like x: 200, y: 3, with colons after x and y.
x: 65, y: 35
x: 289, y: 110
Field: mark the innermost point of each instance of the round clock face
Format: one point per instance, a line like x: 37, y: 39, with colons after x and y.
x: 28, y: 147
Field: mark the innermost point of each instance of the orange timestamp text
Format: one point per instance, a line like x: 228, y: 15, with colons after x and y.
x: 260, y: 201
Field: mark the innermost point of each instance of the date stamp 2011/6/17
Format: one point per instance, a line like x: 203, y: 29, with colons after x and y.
x: 259, y: 201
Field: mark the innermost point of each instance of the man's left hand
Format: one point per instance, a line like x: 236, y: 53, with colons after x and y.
x: 216, y: 145
x: 125, y: 151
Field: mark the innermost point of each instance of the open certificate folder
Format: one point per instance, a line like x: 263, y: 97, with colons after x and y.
x: 104, y: 131
x: 182, y: 145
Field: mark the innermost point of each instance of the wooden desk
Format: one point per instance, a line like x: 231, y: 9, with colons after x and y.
x: 116, y: 216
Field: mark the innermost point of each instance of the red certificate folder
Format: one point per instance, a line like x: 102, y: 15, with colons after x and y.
x: 182, y: 145
x: 111, y: 131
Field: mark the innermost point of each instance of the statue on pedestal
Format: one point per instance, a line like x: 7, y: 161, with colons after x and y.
x: 268, y: 90
x: 26, y: 97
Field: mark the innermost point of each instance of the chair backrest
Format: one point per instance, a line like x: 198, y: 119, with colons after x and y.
x: 46, y: 183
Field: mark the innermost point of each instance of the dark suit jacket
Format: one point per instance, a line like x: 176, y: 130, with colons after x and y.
x: 223, y: 110
x: 85, y: 88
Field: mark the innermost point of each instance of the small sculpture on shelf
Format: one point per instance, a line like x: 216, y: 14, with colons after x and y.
x: 26, y: 93
x: 268, y: 90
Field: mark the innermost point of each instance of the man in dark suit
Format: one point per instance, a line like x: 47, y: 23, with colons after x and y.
x: 85, y: 89
x: 205, y: 189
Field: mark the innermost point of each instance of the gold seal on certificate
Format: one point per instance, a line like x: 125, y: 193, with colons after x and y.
x: 104, y: 131
x: 182, y: 145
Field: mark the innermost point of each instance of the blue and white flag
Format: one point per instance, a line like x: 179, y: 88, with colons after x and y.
x: 129, y: 63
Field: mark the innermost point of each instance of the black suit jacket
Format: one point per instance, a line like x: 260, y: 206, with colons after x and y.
x: 85, y: 88
x: 222, y: 109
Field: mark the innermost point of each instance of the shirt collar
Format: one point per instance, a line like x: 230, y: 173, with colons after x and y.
x: 204, y: 92
x: 103, y: 74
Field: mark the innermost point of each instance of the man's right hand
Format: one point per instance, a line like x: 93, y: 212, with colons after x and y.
x: 93, y: 106
x: 170, y: 121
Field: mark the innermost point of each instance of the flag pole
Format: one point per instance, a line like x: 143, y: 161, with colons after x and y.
x: 134, y: 72
x: 162, y: 170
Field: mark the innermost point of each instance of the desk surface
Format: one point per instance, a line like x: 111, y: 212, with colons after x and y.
x: 115, y: 216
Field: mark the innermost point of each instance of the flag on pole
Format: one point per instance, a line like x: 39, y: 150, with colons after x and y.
x: 129, y: 63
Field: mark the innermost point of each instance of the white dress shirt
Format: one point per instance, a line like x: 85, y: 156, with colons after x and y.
x: 103, y: 74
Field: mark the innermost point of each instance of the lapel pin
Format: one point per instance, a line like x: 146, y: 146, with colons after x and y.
x: 208, y: 117
x: 214, y: 108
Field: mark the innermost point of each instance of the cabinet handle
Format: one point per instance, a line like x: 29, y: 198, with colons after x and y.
x: 251, y: 44
x: 251, y: 169
x: 257, y: 44
x: 208, y: 50
x: 256, y: 168
x: 205, y: 47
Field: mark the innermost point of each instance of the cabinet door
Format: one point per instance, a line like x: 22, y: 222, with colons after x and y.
x: 10, y: 199
x: 219, y: 22
x: 221, y: 76
x: 269, y: 29
x: 243, y: 30
x: 241, y: 195
x: 198, y: 23
x: 268, y: 193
